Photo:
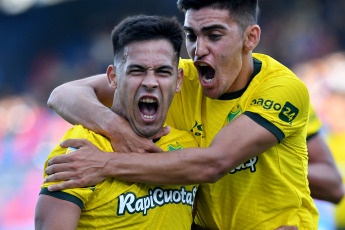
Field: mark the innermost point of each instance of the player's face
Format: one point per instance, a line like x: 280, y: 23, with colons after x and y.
x: 214, y: 42
x: 146, y: 82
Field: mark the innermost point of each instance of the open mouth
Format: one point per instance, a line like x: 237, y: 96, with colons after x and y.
x: 207, y: 72
x: 148, y: 108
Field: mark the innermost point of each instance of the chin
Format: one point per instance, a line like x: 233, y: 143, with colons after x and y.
x: 211, y: 94
x: 148, y: 132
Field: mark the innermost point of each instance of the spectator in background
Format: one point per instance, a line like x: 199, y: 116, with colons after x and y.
x: 324, y: 177
x: 325, y: 79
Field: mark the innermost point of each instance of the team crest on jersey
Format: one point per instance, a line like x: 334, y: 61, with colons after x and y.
x: 176, y: 146
x: 250, y: 164
x: 234, y: 113
x: 157, y: 197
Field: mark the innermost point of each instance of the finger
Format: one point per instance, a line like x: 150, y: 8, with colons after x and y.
x: 154, y: 149
x: 58, y: 173
x: 162, y: 132
x: 76, y: 143
x: 63, y: 185
x: 60, y: 159
x: 120, y: 148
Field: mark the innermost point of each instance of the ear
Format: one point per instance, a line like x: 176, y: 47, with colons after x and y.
x: 179, y: 80
x: 251, y: 37
x: 112, y: 80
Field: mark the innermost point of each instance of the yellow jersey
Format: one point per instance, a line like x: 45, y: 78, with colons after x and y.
x: 314, y: 123
x: 271, y: 189
x: 116, y: 204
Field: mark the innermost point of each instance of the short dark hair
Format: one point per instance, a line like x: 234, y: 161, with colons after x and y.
x: 244, y: 12
x: 143, y: 28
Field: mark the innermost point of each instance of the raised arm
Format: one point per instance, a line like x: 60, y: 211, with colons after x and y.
x: 86, y: 102
x: 68, y: 101
x: 237, y: 142
x: 324, y: 178
x: 52, y: 213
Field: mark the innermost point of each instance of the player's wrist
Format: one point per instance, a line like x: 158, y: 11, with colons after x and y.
x: 112, y: 125
x: 110, y: 168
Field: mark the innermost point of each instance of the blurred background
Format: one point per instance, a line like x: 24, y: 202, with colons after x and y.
x: 44, y: 43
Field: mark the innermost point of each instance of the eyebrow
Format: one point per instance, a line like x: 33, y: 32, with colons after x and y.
x: 205, y: 29
x: 142, y: 67
x: 135, y: 66
x: 166, y: 67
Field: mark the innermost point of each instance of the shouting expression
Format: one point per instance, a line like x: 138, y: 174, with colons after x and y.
x: 215, y: 43
x: 145, y: 82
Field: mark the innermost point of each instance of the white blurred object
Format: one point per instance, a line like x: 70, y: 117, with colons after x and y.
x: 14, y: 7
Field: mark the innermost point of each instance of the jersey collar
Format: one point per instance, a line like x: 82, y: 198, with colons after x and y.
x: 237, y: 94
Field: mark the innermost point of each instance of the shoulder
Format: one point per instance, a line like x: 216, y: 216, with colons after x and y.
x: 177, y: 139
x: 189, y: 69
x: 275, y: 76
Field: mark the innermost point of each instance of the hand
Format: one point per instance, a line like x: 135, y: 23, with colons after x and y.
x: 285, y: 227
x: 124, y: 139
x: 83, y: 167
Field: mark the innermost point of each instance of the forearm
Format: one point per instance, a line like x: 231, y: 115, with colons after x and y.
x: 195, y: 165
x: 187, y: 166
x: 325, y: 181
x: 323, y: 184
x: 79, y: 104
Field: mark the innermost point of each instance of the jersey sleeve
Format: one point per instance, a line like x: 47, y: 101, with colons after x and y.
x: 314, y: 123
x: 79, y: 196
x: 281, y: 105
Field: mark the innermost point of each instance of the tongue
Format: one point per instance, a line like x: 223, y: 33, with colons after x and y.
x: 147, y: 109
x: 207, y: 72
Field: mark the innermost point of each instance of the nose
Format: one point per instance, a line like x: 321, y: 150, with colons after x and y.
x: 150, y: 80
x: 201, y: 49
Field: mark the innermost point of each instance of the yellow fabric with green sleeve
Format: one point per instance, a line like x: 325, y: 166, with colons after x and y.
x: 271, y: 189
x: 116, y: 204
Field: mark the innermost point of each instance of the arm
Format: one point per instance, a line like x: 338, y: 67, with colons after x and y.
x: 52, y: 213
x: 77, y: 102
x: 237, y: 142
x: 324, y: 178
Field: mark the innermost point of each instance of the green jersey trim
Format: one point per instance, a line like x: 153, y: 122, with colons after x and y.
x: 63, y: 196
x: 311, y: 136
x: 233, y: 95
x: 266, y: 124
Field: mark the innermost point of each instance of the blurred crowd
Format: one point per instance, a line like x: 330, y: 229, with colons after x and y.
x: 45, y: 47
x: 325, y: 79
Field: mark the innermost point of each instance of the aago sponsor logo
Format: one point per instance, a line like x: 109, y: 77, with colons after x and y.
x: 288, y: 112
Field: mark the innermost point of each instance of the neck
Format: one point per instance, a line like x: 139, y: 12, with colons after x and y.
x: 245, y: 74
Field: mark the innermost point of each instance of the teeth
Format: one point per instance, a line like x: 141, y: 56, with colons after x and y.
x: 148, y: 117
x: 207, y: 80
x: 203, y: 64
x: 148, y: 100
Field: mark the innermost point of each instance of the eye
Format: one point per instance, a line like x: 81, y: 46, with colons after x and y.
x: 190, y: 37
x: 136, y: 72
x: 215, y: 37
x: 164, y: 73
